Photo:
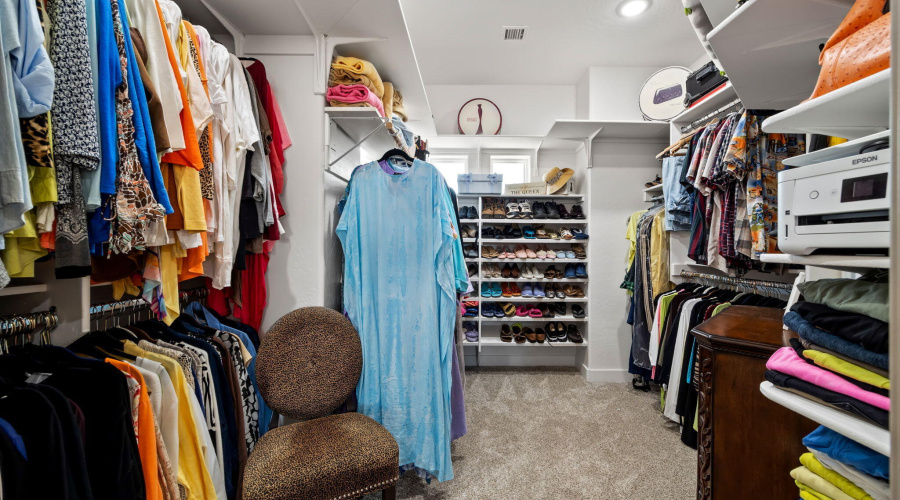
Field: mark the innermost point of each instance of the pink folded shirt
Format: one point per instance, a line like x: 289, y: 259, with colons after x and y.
x: 351, y: 94
x: 787, y: 361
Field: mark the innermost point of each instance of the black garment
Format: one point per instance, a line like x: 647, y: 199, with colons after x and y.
x: 12, y: 469
x: 840, y: 401
x: 76, y: 468
x: 101, y: 392
x: 865, y: 331
x: 33, y: 417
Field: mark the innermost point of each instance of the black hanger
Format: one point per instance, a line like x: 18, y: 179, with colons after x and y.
x: 396, y: 152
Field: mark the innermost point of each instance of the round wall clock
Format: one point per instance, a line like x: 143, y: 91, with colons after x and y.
x: 479, y: 117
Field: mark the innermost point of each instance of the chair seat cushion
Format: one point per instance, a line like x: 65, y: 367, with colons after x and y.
x: 336, y: 457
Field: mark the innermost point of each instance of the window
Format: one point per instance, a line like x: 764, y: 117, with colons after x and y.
x: 515, y: 169
x: 450, y: 166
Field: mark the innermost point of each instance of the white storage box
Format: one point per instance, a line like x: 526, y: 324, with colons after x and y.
x: 480, y: 183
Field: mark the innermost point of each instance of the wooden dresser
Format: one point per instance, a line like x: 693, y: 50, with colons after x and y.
x: 747, y: 445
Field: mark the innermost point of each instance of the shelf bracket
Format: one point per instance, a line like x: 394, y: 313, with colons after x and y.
x: 325, y: 45
x: 232, y: 29
x: 358, y: 144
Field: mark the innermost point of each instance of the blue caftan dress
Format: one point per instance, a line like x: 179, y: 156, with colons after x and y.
x: 399, y: 237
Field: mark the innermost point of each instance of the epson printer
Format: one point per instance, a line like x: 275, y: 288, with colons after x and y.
x: 840, y: 205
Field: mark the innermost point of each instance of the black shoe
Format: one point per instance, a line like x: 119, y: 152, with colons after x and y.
x: 552, y: 211
x: 515, y: 232
x: 574, y: 335
x: 463, y: 212
x: 577, y: 311
x: 539, y: 210
x: 577, y: 213
x: 488, y: 233
x: 563, y: 213
x: 561, y: 327
x: 473, y: 269
x: 559, y: 308
x: 473, y: 213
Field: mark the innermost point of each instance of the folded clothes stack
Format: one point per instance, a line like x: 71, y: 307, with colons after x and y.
x: 839, y: 468
x: 841, y: 358
x: 355, y: 82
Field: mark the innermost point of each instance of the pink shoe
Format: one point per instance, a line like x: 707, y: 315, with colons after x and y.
x: 530, y: 253
x: 523, y: 311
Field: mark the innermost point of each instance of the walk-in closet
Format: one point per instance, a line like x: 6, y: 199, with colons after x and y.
x: 419, y: 249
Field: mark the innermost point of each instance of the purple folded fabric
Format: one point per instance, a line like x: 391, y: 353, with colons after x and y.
x: 787, y: 361
x: 353, y: 94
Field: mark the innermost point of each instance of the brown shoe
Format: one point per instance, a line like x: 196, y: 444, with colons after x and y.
x: 518, y: 336
x: 515, y: 272
x: 506, y: 272
x: 515, y: 290
x: 505, y: 334
x: 540, y: 335
x: 545, y: 311
x: 529, y: 335
x: 504, y: 287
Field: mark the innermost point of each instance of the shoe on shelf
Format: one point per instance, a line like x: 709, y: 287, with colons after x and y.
x: 578, y: 234
x: 541, y: 233
x: 552, y: 334
x: 496, y: 290
x: 541, y: 253
x: 529, y: 335
x: 514, y: 232
x: 574, y: 335
x: 539, y: 209
x: 553, y: 234
x: 473, y: 213
x: 518, y: 335
x: 528, y: 232
x: 570, y: 271
x: 522, y: 311
x: 551, y: 254
x: 497, y: 208
x: 534, y: 312
x: 486, y: 290
x: 512, y: 209
x: 545, y: 311
x: 505, y: 290
x: 550, y: 272
x: 515, y: 290
x: 540, y: 335
x: 561, y: 331
x: 577, y: 311
x: 505, y: 333
x: 487, y: 233
x: 525, y: 210
x: 553, y: 210
x: 505, y: 273
x: 563, y: 213
x: 565, y: 234
x: 530, y: 253
x: 577, y: 212
x: 579, y: 251
x: 559, y: 308
x: 655, y: 182
x: 527, y: 290
x: 526, y: 272
x: 520, y: 252
x: 538, y: 291
x: 507, y: 309
x: 580, y: 271
x: 472, y: 269
x: 463, y: 212
x: 537, y: 274
x: 514, y: 272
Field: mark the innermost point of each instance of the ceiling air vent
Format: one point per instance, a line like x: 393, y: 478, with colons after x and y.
x: 513, y: 33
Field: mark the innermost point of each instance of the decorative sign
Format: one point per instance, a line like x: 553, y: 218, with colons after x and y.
x: 662, y: 96
x: 479, y: 117
x: 525, y: 189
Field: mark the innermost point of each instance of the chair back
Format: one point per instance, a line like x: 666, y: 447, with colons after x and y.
x: 309, y: 363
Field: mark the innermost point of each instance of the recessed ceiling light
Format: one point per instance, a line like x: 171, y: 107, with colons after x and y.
x: 631, y: 8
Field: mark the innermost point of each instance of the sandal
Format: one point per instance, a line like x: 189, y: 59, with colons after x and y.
x: 515, y: 290
x: 535, y: 312
x: 528, y: 232
x: 496, y: 290
x: 512, y: 209
x: 508, y: 308
x: 541, y: 253
x: 522, y: 311
x: 505, y: 290
x: 553, y: 235
x: 545, y: 311
x: 577, y: 311
x: 565, y: 234
x: 574, y: 335
x: 529, y: 335
x: 518, y: 336
x: 505, y: 334
x: 541, y: 233
x: 530, y: 253
x: 540, y: 335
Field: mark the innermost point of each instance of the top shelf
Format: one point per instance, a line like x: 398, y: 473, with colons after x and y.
x: 770, y: 48
x: 577, y: 132
x: 358, y: 123
x: 839, y: 262
x: 707, y: 104
x: 851, y: 112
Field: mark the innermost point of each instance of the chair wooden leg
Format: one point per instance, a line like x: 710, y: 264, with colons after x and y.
x: 389, y: 494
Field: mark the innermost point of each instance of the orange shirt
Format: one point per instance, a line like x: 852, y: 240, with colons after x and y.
x: 146, y: 433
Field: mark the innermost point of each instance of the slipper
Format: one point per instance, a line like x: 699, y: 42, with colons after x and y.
x: 535, y: 312
x: 529, y: 335
x: 528, y: 232
x: 521, y: 311
x: 570, y: 254
x: 518, y: 336
x: 541, y: 253
x: 520, y: 252
x: 508, y: 308
x: 565, y: 234
x: 530, y: 253
x: 505, y: 334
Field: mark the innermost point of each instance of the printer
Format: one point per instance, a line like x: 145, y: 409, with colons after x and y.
x: 836, y: 206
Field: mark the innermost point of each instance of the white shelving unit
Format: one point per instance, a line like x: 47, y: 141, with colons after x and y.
x: 851, y: 112
x: 489, y: 328
x: 854, y: 428
x: 770, y: 48
x: 652, y: 192
x: 852, y: 263
x: 706, y: 105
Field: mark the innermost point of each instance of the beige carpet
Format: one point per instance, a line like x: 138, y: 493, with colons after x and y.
x: 548, y: 434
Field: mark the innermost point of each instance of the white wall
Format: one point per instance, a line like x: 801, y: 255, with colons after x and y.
x: 295, y: 277
x: 614, y: 91
x: 583, y: 97
x: 619, y: 173
x: 526, y: 109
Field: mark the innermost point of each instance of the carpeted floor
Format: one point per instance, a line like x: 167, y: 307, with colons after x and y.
x: 548, y: 434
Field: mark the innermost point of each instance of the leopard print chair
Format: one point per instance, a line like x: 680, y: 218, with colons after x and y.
x: 308, y: 364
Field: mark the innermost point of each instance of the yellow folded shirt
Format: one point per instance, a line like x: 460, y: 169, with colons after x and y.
x: 346, y: 67
x: 804, y: 476
x: 845, y: 485
x: 842, y: 367
x: 806, y: 493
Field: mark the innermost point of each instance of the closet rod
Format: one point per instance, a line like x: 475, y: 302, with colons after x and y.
x: 27, y: 324
x: 728, y: 280
x: 694, y: 124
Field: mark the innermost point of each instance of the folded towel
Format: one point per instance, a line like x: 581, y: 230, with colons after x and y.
x: 804, y: 476
x: 837, y: 400
x: 399, y: 110
x: 856, y: 296
x: 352, y: 94
x: 787, y: 361
x: 879, y: 489
x: 388, y: 100
x: 832, y: 342
x: 350, y: 71
x: 845, y: 485
x: 860, y: 329
x: 848, y: 452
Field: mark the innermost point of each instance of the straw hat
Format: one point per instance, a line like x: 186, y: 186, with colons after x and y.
x: 556, y: 179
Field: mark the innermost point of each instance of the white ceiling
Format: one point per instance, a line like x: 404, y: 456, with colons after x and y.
x: 268, y: 17
x: 459, y: 42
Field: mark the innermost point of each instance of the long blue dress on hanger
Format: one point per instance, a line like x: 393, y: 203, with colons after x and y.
x: 399, y: 235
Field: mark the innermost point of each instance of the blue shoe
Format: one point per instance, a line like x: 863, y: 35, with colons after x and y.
x: 527, y: 291
x: 570, y: 254
x: 496, y: 291
x: 539, y: 291
x: 485, y: 289
x: 580, y: 271
x: 570, y: 271
x: 528, y: 232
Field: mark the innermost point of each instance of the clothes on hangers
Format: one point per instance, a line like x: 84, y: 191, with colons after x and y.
x: 132, y: 133
x: 172, y: 411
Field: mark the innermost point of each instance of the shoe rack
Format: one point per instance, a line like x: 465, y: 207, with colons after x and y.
x: 489, y: 328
